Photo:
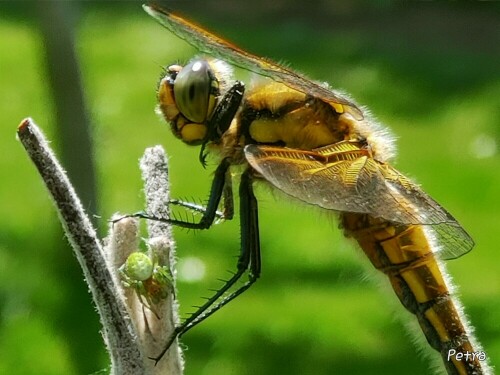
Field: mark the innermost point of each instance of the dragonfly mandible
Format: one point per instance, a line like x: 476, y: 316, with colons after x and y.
x: 319, y: 147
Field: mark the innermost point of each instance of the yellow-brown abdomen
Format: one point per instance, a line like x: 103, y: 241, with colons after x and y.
x: 404, y: 254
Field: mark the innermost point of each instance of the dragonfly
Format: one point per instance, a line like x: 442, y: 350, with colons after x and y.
x: 319, y: 147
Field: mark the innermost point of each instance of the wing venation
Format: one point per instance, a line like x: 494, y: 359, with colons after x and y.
x: 359, y: 184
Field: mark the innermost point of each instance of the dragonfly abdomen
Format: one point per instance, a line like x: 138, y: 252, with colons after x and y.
x: 405, y: 255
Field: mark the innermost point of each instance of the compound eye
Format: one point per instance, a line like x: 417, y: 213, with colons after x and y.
x: 192, y: 90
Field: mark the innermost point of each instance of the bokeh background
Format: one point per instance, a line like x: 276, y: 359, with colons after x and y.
x: 428, y: 70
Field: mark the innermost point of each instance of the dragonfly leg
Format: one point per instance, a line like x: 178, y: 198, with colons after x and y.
x: 222, y: 116
x: 248, y: 261
x: 227, y: 211
x: 221, y: 178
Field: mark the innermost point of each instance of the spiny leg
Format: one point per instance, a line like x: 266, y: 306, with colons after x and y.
x: 210, y: 212
x: 227, y: 211
x: 249, y: 260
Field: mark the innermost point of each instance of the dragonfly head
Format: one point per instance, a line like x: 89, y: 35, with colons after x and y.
x: 187, y: 97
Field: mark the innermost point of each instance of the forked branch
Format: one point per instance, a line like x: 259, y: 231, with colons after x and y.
x: 132, y: 332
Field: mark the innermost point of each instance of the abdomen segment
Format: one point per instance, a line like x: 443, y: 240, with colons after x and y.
x: 404, y: 253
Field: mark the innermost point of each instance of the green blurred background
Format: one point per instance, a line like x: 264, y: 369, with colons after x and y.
x: 428, y: 70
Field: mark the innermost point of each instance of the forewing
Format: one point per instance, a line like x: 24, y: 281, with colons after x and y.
x: 211, y: 44
x: 352, y: 181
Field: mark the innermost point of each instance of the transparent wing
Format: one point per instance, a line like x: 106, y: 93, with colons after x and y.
x: 211, y: 44
x: 344, y: 177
